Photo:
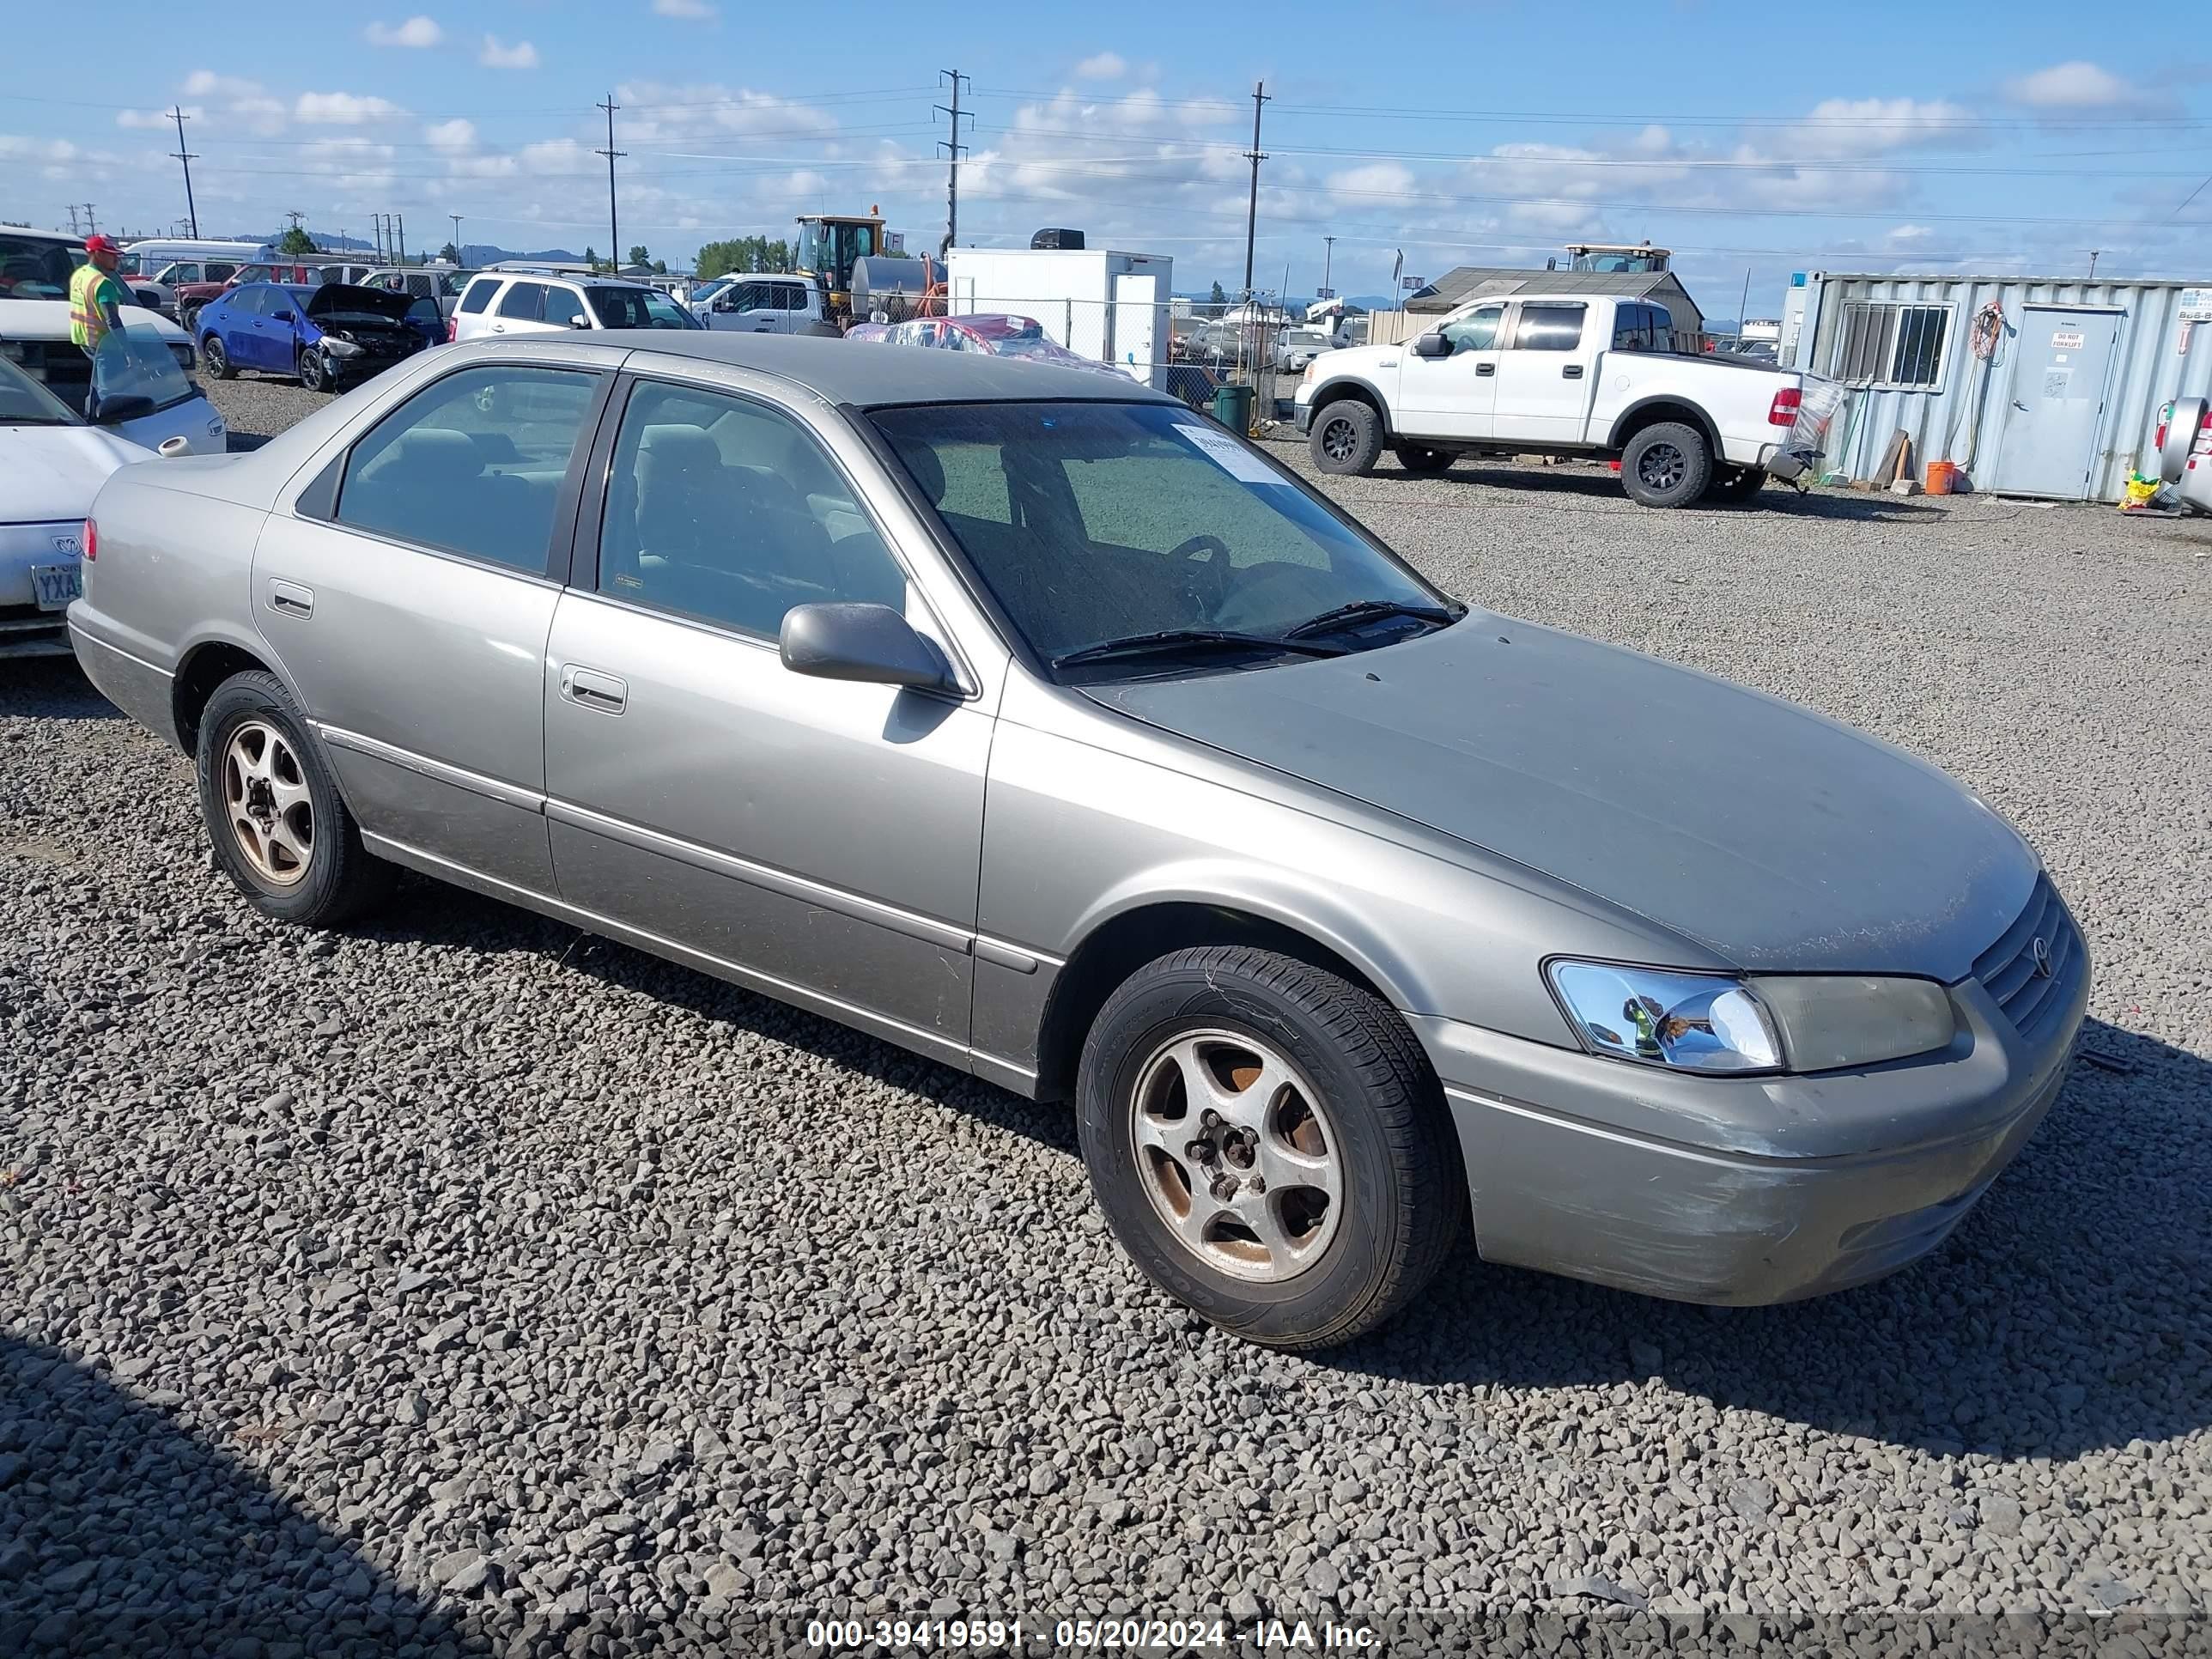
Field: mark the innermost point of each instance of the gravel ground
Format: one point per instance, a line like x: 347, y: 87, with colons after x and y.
x: 461, y: 1283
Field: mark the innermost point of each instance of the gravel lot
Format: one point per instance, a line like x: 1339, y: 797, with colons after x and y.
x: 463, y: 1283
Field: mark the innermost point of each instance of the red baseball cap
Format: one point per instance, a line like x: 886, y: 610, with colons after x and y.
x: 100, y: 245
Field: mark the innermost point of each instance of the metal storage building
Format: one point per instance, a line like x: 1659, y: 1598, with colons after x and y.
x: 2034, y: 386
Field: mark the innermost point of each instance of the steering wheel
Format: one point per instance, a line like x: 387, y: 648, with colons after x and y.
x: 1206, y: 582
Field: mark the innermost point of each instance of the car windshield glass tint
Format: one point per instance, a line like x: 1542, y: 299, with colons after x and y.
x: 24, y: 402
x: 33, y: 268
x: 1093, y: 522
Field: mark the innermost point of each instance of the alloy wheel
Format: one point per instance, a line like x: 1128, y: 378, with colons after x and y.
x: 1662, y: 466
x: 268, y: 804
x: 1237, y: 1156
x: 1338, y: 440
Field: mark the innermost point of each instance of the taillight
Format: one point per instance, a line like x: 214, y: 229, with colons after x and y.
x: 452, y: 324
x: 91, y: 541
x: 1783, y: 411
x: 2164, y: 414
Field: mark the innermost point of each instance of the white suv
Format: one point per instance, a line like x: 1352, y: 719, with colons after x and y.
x: 529, y: 302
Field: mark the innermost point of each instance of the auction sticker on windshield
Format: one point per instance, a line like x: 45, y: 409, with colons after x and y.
x: 1225, y: 452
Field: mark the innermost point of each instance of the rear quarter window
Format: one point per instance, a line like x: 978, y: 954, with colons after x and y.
x: 478, y: 295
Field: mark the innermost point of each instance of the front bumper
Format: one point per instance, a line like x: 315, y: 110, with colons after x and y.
x: 1751, y: 1190
x: 1302, y: 413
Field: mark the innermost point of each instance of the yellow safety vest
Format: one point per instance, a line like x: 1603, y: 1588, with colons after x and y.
x: 87, y: 322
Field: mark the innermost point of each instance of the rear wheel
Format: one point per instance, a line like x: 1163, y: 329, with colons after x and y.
x: 217, y: 359
x: 1667, y: 465
x: 1737, y: 484
x: 278, y: 827
x: 1269, y: 1144
x: 1419, y: 460
x: 1347, y: 438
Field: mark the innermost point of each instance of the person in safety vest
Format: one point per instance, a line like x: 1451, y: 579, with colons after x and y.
x: 96, y: 299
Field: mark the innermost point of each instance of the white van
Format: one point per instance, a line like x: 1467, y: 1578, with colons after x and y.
x: 153, y: 269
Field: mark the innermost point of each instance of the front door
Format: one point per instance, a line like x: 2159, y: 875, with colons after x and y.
x: 2060, y: 364
x: 1543, y: 378
x: 1454, y: 395
x: 246, y: 324
x: 412, y: 618
x: 816, y: 838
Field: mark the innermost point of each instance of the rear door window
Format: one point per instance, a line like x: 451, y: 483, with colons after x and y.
x: 1549, y: 326
x: 524, y: 301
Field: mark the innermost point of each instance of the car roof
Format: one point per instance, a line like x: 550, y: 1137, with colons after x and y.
x: 875, y: 375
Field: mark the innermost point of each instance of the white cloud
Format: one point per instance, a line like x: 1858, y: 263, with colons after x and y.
x: 417, y: 30
x: 693, y: 10
x: 344, y: 109
x: 146, y: 119
x: 233, y: 98
x: 520, y: 56
x: 206, y: 84
x: 456, y: 134
x: 1846, y: 127
x: 1103, y: 66
x: 2076, y: 85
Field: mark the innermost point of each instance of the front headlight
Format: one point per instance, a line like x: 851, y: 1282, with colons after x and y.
x: 1716, y: 1023
x: 182, y: 352
x: 1312, y: 369
x: 338, y: 346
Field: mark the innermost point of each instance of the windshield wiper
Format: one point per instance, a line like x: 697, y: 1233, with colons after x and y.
x: 1370, y: 610
x: 1169, y: 641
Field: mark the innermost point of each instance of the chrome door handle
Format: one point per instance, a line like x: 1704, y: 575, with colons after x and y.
x: 290, y: 600
x: 589, y: 688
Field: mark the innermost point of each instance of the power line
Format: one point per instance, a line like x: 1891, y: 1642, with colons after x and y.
x: 614, y: 225
x: 954, y: 149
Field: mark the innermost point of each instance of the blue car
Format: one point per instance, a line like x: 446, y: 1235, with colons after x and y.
x: 322, y: 336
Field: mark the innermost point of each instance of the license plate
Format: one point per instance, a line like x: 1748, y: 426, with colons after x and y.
x: 53, y: 585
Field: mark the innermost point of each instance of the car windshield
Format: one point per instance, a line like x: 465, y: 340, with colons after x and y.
x: 24, y: 402
x: 1093, y: 523
x: 34, y: 268
x: 638, y: 308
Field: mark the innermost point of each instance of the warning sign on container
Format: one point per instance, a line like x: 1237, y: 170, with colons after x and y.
x: 2067, y: 339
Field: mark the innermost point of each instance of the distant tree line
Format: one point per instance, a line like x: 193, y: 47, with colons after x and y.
x: 744, y: 254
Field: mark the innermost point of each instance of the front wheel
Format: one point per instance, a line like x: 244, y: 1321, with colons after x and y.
x: 1422, y: 461
x: 315, y: 372
x: 279, y: 828
x: 1268, y: 1143
x: 1667, y: 465
x: 1347, y: 438
x: 217, y: 359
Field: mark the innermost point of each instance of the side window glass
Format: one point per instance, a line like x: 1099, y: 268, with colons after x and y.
x: 1549, y: 327
x: 1477, y: 330
x: 562, y: 307
x: 522, y: 301
x: 252, y: 302
x: 723, y: 509
x: 1632, y: 329
x: 473, y: 464
x: 477, y: 297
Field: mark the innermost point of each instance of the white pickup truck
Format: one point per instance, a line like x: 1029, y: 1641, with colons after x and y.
x: 1567, y: 374
x: 770, y: 305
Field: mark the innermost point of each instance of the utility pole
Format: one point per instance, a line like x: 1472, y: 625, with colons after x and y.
x: 456, y: 218
x: 1743, y: 304
x: 177, y: 111
x: 376, y: 235
x: 1255, y: 156
x: 954, y: 149
x: 402, y: 238
x: 2093, y: 252
x: 91, y: 224
x: 614, y: 225
x: 1327, y: 261
x: 74, y: 231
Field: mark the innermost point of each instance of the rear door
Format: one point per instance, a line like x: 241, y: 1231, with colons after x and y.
x: 411, y: 607
x: 1544, y: 381
x: 1454, y: 395
x: 520, y: 310
x: 813, y: 836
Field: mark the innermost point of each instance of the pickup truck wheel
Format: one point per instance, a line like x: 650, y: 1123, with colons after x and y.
x: 217, y: 359
x: 1666, y: 465
x: 1268, y: 1143
x: 1347, y: 438
x: 280, y: 830
x: 1738, y: 483
x: 1425, y: 462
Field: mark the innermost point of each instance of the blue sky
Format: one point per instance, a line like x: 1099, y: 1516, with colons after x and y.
x: 1892, y: 137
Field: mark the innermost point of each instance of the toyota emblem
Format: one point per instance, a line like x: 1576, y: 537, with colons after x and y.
x: 2040, y: 950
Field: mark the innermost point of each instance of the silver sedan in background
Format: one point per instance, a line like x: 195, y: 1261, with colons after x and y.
x: 1022, y: 717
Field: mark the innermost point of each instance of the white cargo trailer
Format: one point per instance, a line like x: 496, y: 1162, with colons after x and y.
x: 1108, y: 305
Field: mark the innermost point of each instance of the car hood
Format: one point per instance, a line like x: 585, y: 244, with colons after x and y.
x: 49, y: 473
x: 49, y: 319
x: 1773, y: 836
x: 344, y: 296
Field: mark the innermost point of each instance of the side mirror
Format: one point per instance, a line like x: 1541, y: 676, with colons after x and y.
x: 1432, y: 344
x: 580, y: 322
x: 871, y: 644
x: 114, y: 411
x: 283, y: 316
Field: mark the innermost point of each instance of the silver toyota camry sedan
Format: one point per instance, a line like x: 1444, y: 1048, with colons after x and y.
x: 1020, y: 716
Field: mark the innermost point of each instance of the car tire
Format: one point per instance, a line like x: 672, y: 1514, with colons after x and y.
x: 217, y: 359
x: 1306, y: 1074
x: 1735, y: 484
x: 279, y: 828
x: 1347, y: 438
x: 188, y: 319
x: 1667, y: 464
x: 1422, y: 461
x: 315, y: 372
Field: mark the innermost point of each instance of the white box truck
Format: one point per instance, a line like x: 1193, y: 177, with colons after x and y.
x: 1104, y: 304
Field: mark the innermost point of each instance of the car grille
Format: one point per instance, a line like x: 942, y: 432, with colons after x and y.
x: 2029, y: 993
x: 61, y: 367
